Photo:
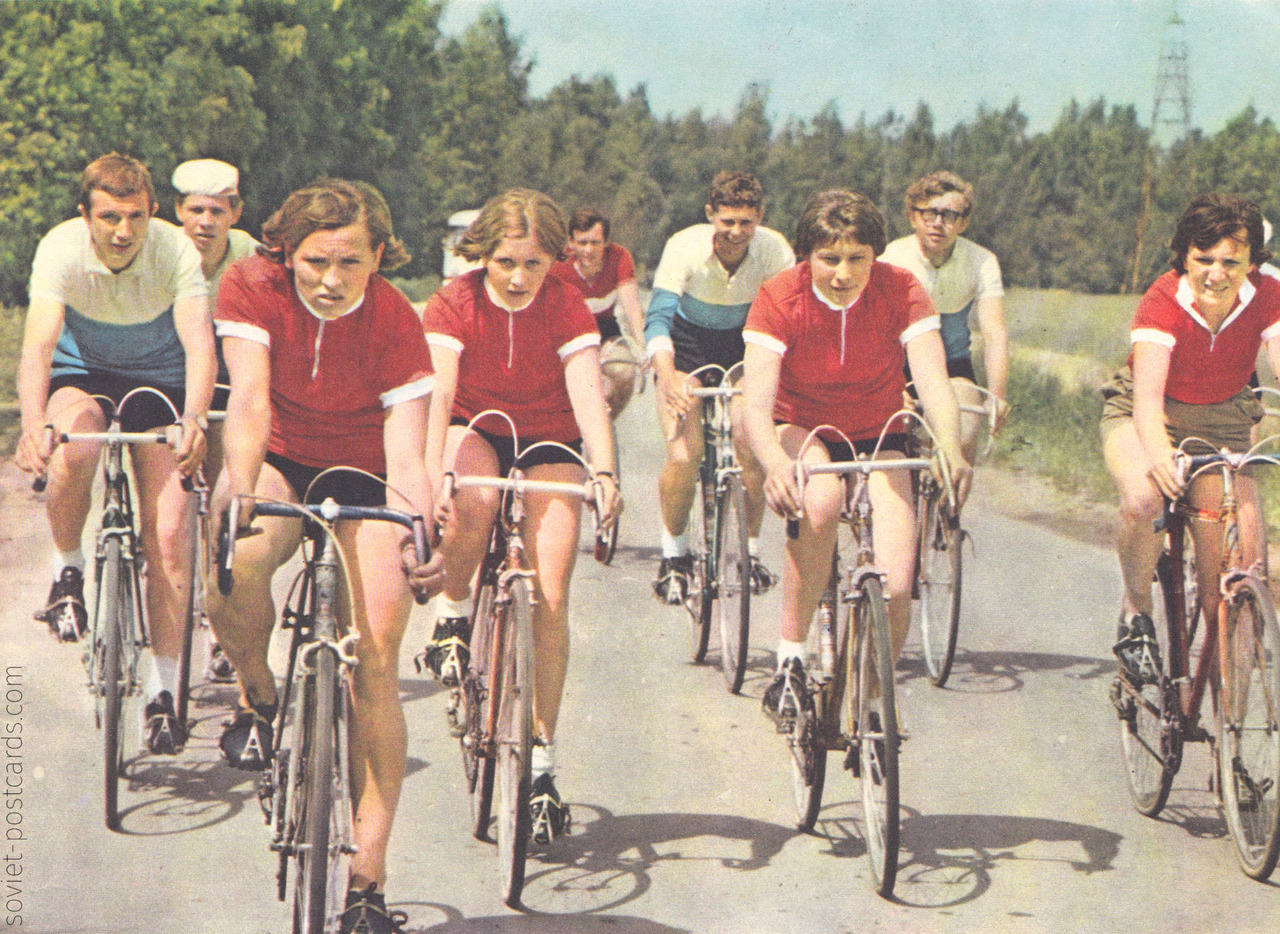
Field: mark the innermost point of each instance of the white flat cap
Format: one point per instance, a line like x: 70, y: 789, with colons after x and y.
x: 1266, y: 231
x: 210, y: 177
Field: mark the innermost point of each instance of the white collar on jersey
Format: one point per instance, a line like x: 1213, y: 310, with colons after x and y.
x: 317, y: 314
x: 493, y: 297
x: 822, y: 298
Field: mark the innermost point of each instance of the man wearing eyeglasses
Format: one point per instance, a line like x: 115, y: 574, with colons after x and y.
x: 961, y: 277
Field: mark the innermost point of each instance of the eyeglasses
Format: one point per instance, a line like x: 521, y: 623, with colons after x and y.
x: 929, y: 215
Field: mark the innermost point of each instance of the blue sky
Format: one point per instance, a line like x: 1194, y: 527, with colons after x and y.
x: 870, y: 56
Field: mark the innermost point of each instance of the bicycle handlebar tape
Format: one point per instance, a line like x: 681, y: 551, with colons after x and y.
x: 793, y: 528
x: 40, y: 482
x: 226, y: 539
x: 422, y: 551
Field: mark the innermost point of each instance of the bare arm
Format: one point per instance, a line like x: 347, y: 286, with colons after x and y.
x: 444, y: 361
x: 928, y: 364
x: 404, y: 442
x: 629, y: 298
x: 1150, y: 373
x: 762, y: 369
x: 40, y: 336
x: 244, y: 436
x: 194, y: 325
x: 995, y: 354
x: 582, y: 377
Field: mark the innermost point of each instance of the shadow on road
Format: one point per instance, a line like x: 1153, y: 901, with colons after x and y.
x: 947, y: 859
x: 517, y: 923
x: 1000, y: 672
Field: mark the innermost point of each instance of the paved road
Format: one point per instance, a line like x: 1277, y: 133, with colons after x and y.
x: 1017, y: 817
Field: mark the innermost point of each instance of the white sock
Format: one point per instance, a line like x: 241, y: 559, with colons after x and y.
x: 788, y: 650
x: 673, y: 546
x: 68, y: 559
x: 452, y: 608
x: 543, y: 760
x: 161, y: 675
x: 753, y: 546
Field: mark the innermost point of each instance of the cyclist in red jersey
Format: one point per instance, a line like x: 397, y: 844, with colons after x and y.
x: 1195, y: 339
x: 605, y: 273
x: 825, y: 344
x: 328, y: 367
x: 508, y: 336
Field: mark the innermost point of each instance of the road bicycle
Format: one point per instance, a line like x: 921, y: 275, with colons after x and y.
x: 1233, y: 655
x: 491, y: 710
x: 850, y: 669
x: 721, y: 586
x: 119, y: 633
x: 305, y: 792
x: 940, y: 564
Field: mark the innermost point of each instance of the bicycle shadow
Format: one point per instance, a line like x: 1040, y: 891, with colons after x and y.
x: 994, y: 672
x: 606, y: 861
x: 455, y: 922
x: 946, y: 860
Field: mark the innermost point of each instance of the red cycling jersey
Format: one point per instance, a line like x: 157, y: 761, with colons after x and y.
x: 331, y: 380
x: 840, y: 367
x: 512, y: 360
x: 601, y: 292
x: 1206, y: 368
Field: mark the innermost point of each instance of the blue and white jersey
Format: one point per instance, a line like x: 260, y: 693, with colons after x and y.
x: 118, y: 322
x: 971, y: 273
x: 692, y: 283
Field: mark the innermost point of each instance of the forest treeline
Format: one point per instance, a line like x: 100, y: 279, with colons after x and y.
x: 292, y: 89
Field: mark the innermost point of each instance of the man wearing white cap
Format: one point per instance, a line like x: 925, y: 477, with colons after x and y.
x: 208, y: 206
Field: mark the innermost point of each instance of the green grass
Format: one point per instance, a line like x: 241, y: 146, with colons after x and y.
x: 1093, y: 326
x: 11, y: 320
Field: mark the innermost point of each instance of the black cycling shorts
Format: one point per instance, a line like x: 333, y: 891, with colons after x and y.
x: 608, y: 325
x: 144, y: 411
x: 697, y: 346
x: 347, y: 487
x: 839, y: 450
x: 956, y: 366
x: 504, y: 448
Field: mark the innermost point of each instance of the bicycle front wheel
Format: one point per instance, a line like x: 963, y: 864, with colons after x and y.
x: 1249, y: 739
x: 939, y: 579
x: 109, y: 629
x: 315, y: 797
x: 475, y: 700
x: 733, y: 584
x: 702, y: 533
x: 514, y: 742
x: 1151, y: 748
x: 876, y: 716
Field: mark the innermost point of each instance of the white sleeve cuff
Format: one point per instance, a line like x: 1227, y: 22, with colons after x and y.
x: 931, y: 323
x: 249, y: 332
x: 1269, y: 333
x: 1152, y: 336
x: 767, y: 341
x: 416, y: 389
x: 446, y: 341
x: 657, y: 344
x: 580, y: 342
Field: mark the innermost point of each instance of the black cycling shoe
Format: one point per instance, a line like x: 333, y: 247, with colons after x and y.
x: 65, y: 613
x: 1137, y: 649
x: 671, y: 586
x: 219, y: 670
x: 366, y: 913
x: 550, y: 815
x: 788, y: 693
x: 761, y: 577
x: 448, y: 654
x: 248, y: 739
x: 165, y: 736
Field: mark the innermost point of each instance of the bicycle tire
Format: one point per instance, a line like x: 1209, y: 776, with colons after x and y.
x: 940, y: 577
x: 476, y: 694
x: 808, y: 755
x: 192, y: 619
x: 109, y: 627
x: 697, y: 602
x: 514, y: 743
x: 872, y: 663
x: 1151, y: 748
x: 1249, y: 727
x: 315, y: 797
x: 733, y: 584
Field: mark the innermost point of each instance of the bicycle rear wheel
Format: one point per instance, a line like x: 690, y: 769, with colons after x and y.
x: 312, y: 849
x: 939, y: 583
x: 514, y: 742
x: 194, y: 620
x: 1152, y: 749
x: 702, y: 533
x: 476, y: 695
x: 109, y: 627
x: 1249, y: 738
x: 876, y: 716
x: 733, y: 585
